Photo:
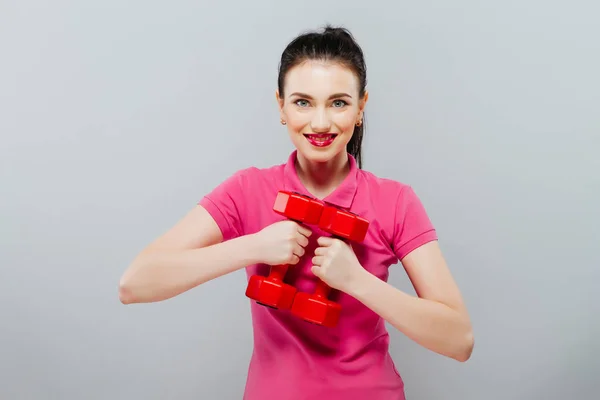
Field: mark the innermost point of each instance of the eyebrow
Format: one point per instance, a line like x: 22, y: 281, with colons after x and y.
x: 335, y: 95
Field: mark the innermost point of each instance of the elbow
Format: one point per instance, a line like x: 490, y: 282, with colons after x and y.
x: 126, y: 294
x: 128, y: 287
x: 466, y: 348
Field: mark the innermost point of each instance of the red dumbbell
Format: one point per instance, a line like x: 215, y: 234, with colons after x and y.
x: 316, y: 308
x: 270, y: 290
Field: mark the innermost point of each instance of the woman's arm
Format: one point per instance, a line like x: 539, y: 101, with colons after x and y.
x: 189, y: 254
x: 437, y: 319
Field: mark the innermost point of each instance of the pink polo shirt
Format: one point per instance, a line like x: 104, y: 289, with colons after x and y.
x: 297, y: 360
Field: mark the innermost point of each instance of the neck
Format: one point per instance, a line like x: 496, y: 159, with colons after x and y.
x: 321, y: 179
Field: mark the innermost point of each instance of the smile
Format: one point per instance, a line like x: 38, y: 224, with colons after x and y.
x: 320, y: 139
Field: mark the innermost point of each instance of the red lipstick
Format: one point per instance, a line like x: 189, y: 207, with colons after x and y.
x: 320, y: 139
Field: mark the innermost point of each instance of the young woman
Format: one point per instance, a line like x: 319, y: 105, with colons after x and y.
x: 321, y: 97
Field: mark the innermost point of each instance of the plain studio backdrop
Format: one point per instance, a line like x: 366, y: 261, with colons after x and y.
x: 117, y: 117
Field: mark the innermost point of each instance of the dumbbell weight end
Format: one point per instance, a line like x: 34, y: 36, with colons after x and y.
x: 271, y: 291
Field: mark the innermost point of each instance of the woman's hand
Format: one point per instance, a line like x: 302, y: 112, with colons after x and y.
x: 282, y: 242
x: 336, y: 264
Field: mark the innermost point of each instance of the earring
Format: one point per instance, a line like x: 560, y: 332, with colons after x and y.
x: 359, y: 123
x: 283, y: 122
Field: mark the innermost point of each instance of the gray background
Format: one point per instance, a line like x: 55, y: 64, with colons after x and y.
x: 116, y: 117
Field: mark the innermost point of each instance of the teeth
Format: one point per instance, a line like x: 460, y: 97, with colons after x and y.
x: 322, y: 137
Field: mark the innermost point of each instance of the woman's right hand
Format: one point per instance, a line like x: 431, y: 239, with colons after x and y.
x: 282, y: 242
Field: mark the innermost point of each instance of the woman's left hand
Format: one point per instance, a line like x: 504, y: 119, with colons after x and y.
x: 335, y: 263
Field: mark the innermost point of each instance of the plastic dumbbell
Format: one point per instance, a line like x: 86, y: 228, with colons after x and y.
x: 316, y: 307
x: 271, y: 290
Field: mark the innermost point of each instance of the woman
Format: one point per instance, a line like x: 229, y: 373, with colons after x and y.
x: 321, y: 96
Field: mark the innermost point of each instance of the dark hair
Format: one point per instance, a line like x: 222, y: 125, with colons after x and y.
x: 332, y: 44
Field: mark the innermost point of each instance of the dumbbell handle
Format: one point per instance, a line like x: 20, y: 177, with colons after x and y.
x: 322, y: 289
x: 278, y: 271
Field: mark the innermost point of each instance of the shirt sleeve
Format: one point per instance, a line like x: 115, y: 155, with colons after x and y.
x: 225, y: 204
x: 412, y: 225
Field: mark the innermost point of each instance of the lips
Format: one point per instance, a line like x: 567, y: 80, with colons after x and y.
x: 320, y: 139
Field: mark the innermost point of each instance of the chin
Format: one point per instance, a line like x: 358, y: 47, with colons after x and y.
x: 321, y: 155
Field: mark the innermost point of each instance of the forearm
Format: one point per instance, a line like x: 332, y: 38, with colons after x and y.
x: 156, y: 276
x: 431, y: 324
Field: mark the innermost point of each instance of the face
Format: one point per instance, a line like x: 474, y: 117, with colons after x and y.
x: 321, y: 106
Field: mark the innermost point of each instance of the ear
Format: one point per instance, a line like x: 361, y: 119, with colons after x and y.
x: 363, y: 102
x: 280, y: 103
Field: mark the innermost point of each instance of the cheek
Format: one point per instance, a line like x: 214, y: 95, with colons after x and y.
x: 296, y: 120
x: 298, y: 123
x: 346, y: 120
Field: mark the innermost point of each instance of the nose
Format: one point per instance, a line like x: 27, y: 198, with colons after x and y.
x: 320, y: 122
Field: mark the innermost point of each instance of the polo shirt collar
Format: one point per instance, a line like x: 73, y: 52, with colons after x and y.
x: 342, y: 196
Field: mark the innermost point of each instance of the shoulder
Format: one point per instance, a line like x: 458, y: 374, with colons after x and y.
x: 251, y: 176
x: 384, y: 191
x: 400, y: 212
x: 395, y: 202
x: 234, y: 201
x: 245, y: 185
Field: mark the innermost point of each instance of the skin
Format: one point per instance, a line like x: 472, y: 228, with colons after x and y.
x: 192, y: 252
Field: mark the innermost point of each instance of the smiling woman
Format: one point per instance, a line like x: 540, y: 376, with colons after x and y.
x: 321, y: 97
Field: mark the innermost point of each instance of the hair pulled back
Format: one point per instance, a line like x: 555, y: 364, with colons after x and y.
x: 331, y: 44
